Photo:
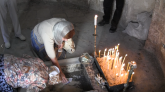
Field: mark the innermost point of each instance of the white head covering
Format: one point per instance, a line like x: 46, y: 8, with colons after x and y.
x: 60, y: 29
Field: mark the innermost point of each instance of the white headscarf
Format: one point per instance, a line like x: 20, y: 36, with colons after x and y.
x: 60, y: 29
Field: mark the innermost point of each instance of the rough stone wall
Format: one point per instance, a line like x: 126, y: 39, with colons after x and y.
x: 155, y: 42
x: 21, y: 1
x: 134, y: 7
x: 92, y: 4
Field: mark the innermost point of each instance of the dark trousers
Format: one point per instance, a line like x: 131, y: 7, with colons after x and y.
x: 108, y: 7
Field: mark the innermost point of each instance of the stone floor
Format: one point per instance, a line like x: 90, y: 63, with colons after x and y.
x: 148, y: 76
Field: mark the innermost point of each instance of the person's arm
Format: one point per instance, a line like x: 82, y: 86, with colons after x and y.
x: 55, y: 62
x: 49, y: 48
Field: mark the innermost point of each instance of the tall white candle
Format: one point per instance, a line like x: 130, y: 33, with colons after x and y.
x: 99, y: 53
x: 95, y: 20
x: 124, y: 59
x: 118, y: 46
x: 104, y: 54
x: 105, y: 51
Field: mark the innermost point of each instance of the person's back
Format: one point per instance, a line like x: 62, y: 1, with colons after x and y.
x: 27, y: 72
x: 44, y: 29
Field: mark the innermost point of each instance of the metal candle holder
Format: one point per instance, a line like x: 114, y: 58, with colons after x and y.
x: 95, y: 54
x: 132, y: 67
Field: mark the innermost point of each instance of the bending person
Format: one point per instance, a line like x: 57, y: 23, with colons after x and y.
x: 27, y: 72
x: 48, y: 36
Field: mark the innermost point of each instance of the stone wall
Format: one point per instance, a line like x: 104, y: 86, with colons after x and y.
x: 21, y: 1
x: 134, y: 7
x: 155, y: 42
x: 91, y: 4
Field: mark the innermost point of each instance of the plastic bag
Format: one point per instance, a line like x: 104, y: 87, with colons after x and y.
x: 140, y: 28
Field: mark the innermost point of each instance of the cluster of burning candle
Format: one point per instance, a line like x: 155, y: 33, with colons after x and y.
x: 113, y: 66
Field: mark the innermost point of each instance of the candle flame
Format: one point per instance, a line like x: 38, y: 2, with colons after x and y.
x: 121, y: 74
x: 116, y: 74
x: 115, y: 47
x: 115, y: 66
x: 133, y: 73
x: 96, y: 16
x: 99, y: 50
x: 123, y: 64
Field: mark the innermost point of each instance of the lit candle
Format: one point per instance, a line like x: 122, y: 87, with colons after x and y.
x: 121, y: 70
x: 117, y: 58
x: 112, y: 61
x: 128, y: 71
x: 105, y: 51
x: 120, y: 59
x: 121, y: 78
x: 126, y: 77
x: 116, y: 76
x: 115, y: 47
x: 118, y: 46
x: 108, y: 52
x: 99, y: 53
x: 123, y: 64
x: 95, y: 20
x: 132, y: 75
x: 108, y: 62
x: 104, y: 54
x: 124, y: 59
x: 115, y: 69
x: 128, y: 66
x: 113, y: 53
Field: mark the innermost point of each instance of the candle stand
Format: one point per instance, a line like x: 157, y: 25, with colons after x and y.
x: 112, y: 68
x: 114, y: 88
x: 95, y: 54
x: 95, y: 26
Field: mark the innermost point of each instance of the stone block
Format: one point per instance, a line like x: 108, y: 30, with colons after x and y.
x: 149, y: 47
x: 153, y: 35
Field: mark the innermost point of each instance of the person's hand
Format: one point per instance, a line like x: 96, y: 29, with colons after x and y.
x: 61, y: 45
x: 63, y: 78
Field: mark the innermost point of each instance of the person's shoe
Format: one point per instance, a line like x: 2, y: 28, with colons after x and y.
x: 21, y: 37
x: 7, y: 45
x: 102, y: 23
x: 112, y: 29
